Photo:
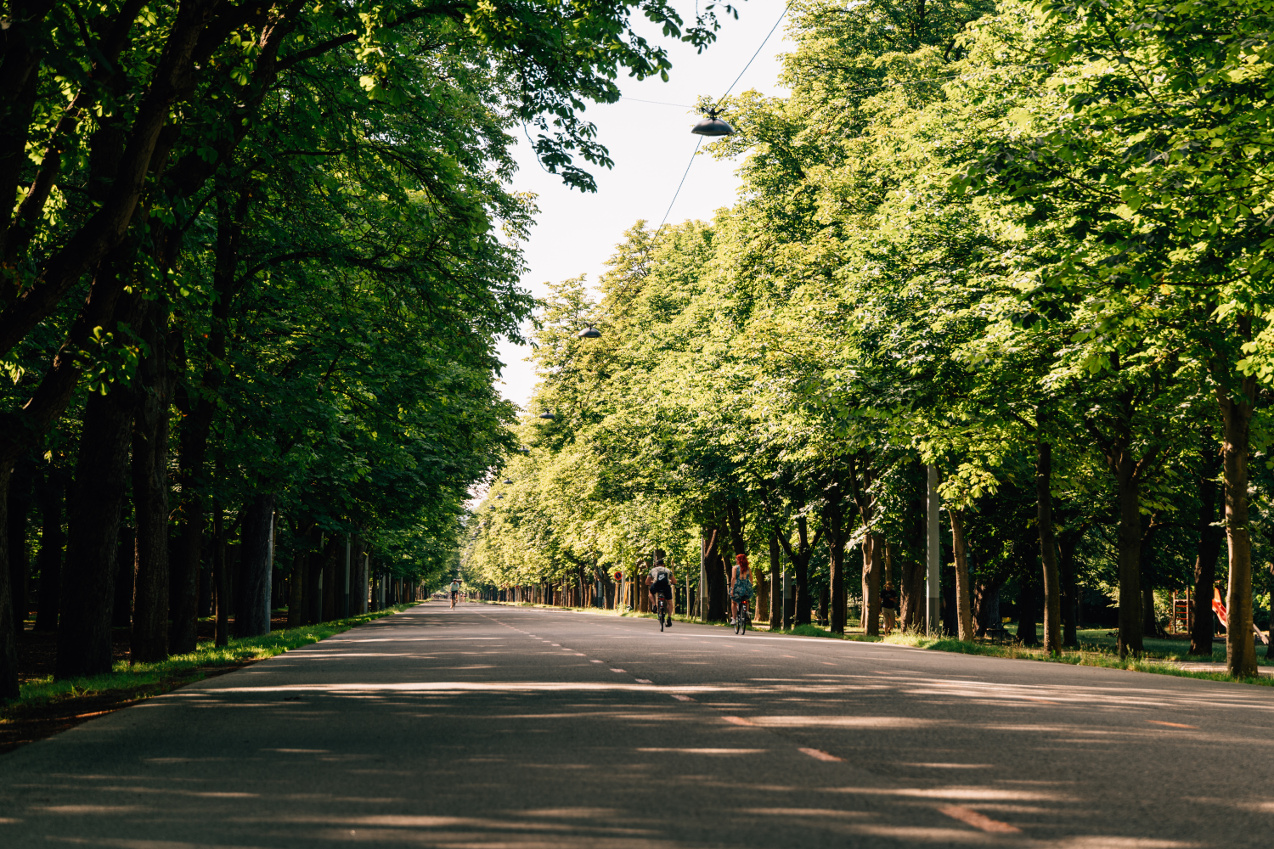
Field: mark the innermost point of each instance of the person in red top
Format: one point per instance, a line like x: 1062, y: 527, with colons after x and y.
x: 740, y: 585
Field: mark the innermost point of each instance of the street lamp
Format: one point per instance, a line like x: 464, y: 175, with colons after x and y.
x: 711, y: 125
x: 548, y: 416
x: 589, y: 332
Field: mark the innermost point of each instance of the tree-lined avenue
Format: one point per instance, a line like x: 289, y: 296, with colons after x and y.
x: 498, y: 726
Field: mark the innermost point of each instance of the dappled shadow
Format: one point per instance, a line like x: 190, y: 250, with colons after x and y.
x: 441, y: 729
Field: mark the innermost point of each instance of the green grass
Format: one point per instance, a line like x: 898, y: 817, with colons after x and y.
x: 1084, y: 657
x: 1104, y: 640
x: 148, y: 679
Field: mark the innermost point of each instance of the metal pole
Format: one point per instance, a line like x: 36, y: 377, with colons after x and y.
x: 933, y: 626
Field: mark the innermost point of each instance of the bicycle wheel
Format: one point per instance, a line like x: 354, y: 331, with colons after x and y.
x: 660, y: 614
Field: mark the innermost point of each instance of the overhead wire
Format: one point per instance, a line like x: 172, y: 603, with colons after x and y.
x: 690, y: 164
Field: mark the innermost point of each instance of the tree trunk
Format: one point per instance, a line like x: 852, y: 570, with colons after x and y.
x: 296, y: 586
x: 1240, y: 642
x: 801, y: 574
x: 20, y: 491
x: 1048, y: 547
x: 221, y: 576
x: 1129, y: 557
x: 51, y: 494
x: 359, y: 579
x: 986, y: 605
x: 911, y: 580
x: 963, y: 596
x: 125, y: 576
x: 150, y: 493
x: 1069, y: 541
x: 1027, y: 609
x: 252, y: 608
x: 834, y: 532
x: 331, y: 581
x: 8, y: 628
x: 88, y: 578
x: 710, y: 563
x: 185, y: 568
x: 873, y: 567
x: 776, y: 581
x: 1202, y: 625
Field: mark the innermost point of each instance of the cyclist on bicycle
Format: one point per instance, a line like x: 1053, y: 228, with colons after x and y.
x: 455, y: 591
x: 659, y: 582
x: 740, y: 585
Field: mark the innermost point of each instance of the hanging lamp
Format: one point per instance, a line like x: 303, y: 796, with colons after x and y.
x: 711, y: 125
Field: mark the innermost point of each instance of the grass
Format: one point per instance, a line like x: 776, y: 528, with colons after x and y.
x: 149, y: 679
x: 1104, y: 640
x: 1097, y: 648
x: 1091, y: 655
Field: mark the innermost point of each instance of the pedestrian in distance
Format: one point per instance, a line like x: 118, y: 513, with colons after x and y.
x: 889, y: 606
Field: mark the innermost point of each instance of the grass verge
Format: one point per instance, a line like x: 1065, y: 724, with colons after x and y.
x: 126, y: 684
x: 1100, y: 659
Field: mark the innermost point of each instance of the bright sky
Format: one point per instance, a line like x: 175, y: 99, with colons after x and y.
x: 651, y: 145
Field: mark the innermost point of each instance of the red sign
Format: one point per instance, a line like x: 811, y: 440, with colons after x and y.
x: 619, y: 576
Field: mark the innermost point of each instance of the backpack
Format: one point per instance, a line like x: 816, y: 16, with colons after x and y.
x: 661, y: 574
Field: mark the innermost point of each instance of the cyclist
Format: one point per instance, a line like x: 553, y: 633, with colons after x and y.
x: 659, y: 582
x: 740, y: 585
x: 455, y: 591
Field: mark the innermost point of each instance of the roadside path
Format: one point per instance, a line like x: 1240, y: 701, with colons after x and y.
x: 489, y: 726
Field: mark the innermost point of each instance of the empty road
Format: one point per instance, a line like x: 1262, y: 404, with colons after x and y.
x: 488, y: 726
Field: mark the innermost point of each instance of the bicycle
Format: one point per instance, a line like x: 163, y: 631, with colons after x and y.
x: 741, y: 619
x: 661, y: 611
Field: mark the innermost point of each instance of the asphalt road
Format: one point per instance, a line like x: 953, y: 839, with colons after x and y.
x: 486, y: 727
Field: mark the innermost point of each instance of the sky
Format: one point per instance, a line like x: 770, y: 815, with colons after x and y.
x: 651, y: 145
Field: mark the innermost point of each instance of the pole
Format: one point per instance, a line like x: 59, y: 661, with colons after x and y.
x: 932, y: 624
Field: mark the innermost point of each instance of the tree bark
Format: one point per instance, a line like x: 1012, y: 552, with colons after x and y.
x: 1202, y: 624
x: 359, y: 579
x: 88, y: 578
x: 1240, y: 642
x: 51, y: 494
x: 252, y: 608
x: 710, y: 561
x: 834, y: 533
x: 1048, y: 547
x: 776, y: 582
x: 296, y: 586
x: 150, y: 491
x: 331, y: 570
x: 1027, y: 609
x: 873, y: 567
x: 221, y: 575
x: 8, y: 629
x: 1068, y: 542
x: 1129, y: 554
x: 963, y: 595
x: 20, y: 490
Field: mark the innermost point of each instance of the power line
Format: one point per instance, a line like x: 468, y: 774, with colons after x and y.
x: 757, y: 53
x: 659, y: 102
x: 761, y: 47
x: 679, y: 185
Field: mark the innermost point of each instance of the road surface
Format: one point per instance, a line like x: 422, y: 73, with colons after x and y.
x: 488, y: 726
